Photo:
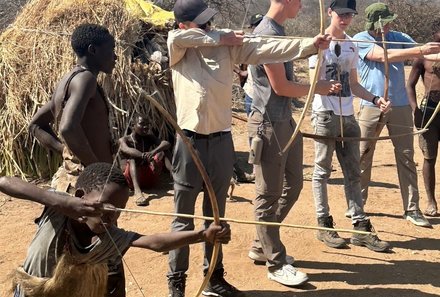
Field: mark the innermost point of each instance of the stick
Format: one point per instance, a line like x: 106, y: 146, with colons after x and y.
x: 244, y: 222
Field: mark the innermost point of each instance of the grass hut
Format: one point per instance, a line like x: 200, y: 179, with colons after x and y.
x: 35, y: 52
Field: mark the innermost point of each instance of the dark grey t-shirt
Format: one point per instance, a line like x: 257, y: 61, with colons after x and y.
x: 48, y: 244
x: 266, y: 101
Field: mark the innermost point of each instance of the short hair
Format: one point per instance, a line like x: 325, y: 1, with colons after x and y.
x: 97, y: 175
x: 87, y: 34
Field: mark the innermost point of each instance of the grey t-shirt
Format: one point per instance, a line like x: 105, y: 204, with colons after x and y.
x: 266, y: 101
x: 48, y: 245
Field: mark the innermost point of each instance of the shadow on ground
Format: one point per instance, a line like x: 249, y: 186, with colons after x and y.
x: 376, y: 292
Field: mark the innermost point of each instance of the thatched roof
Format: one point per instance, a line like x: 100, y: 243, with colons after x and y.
x: 35, y: 52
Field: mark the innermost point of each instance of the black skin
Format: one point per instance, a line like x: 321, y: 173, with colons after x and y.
x: 84, y: 118
x: 41, y: 128
x: 88, y: 216
x: 424, y: 69
x: 139, y: 152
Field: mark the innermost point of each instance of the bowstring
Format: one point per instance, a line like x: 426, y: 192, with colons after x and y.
x: 102, y: 193
x: 245, y: 14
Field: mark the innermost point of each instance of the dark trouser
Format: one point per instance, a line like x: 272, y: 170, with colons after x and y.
x: 217, y: 155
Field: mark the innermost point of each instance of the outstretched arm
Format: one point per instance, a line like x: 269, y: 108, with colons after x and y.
x: 169, y: 241
x: 377, y: 53
x: 40, y: 128
x: 72, y: 207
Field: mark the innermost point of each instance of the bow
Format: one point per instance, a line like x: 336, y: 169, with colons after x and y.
x: 386, y: 89
x: 204, y: 175
x: 312, y: 83
x: 341, y: 138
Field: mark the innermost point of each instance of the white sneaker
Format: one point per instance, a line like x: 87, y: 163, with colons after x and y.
x: 260, y: 257
x: 288, y: 275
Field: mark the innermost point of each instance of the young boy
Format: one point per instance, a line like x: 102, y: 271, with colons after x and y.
x: 78, y: 107
x: 329, y: 113
x: 74, y: 245
x: 145, y: 155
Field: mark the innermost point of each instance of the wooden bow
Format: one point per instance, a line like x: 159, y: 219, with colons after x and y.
x: 385, y: 94
x: 312, y: 83
x: 203, y: 173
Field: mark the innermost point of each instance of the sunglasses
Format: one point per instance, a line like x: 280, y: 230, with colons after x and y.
x: 347, y: 15
x: 205, y: 25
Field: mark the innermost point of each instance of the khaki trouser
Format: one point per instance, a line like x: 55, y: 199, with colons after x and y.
x: 398, y: 121
x: 278, y: 181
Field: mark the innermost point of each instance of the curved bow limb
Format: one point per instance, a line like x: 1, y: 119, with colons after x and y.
x: 203, y: 173
x: 312, y: 84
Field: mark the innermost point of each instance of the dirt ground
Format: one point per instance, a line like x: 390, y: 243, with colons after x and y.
x: 411, y: 270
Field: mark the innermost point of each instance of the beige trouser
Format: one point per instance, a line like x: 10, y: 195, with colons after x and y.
x: 278, y: 182
x: 398, y: 121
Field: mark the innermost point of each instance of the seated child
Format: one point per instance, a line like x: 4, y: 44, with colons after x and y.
x: 145, y: 155
x: 77, y: 239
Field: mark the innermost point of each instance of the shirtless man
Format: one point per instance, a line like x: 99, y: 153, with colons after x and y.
x: 145, y: 158
x: 79, y: 108
x: 429, y: 69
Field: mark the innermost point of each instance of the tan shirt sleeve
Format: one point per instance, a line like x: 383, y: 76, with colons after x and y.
x: 180, y: 40
x: 267, y: 50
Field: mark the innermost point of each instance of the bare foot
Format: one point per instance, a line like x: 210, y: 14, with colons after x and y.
x: 431, y: 211
x: 142, y: 201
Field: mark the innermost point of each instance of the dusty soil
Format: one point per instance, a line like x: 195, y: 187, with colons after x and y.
x: 411, y: 270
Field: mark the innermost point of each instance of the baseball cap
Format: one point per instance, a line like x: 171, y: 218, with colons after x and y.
x: 195, y: 11
x: 343, y: 6
x: 255, y: 19
x: 376, y: 12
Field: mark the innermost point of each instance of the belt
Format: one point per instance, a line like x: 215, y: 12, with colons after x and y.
x: 195, y: 135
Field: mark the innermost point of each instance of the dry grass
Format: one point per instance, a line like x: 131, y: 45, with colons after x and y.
x: 35, y: 52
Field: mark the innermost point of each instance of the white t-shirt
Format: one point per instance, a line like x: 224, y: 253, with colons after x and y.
x: 347, y: 61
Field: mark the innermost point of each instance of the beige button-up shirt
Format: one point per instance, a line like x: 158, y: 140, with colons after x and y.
x: 202, y: 73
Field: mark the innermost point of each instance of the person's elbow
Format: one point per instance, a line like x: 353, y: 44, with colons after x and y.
x: 279, y: 88
x: 4, y: 182
x: 31, y: 129
x: 69, y: 130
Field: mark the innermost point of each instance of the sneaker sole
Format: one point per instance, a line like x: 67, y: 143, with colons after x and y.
x: 373, y: 248
x: 290, y: 284
x: 420, y: 224
x: 204, y: 293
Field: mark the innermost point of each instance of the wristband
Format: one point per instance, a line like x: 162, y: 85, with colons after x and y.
x: 421, y: 51
x: 374, y: 100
